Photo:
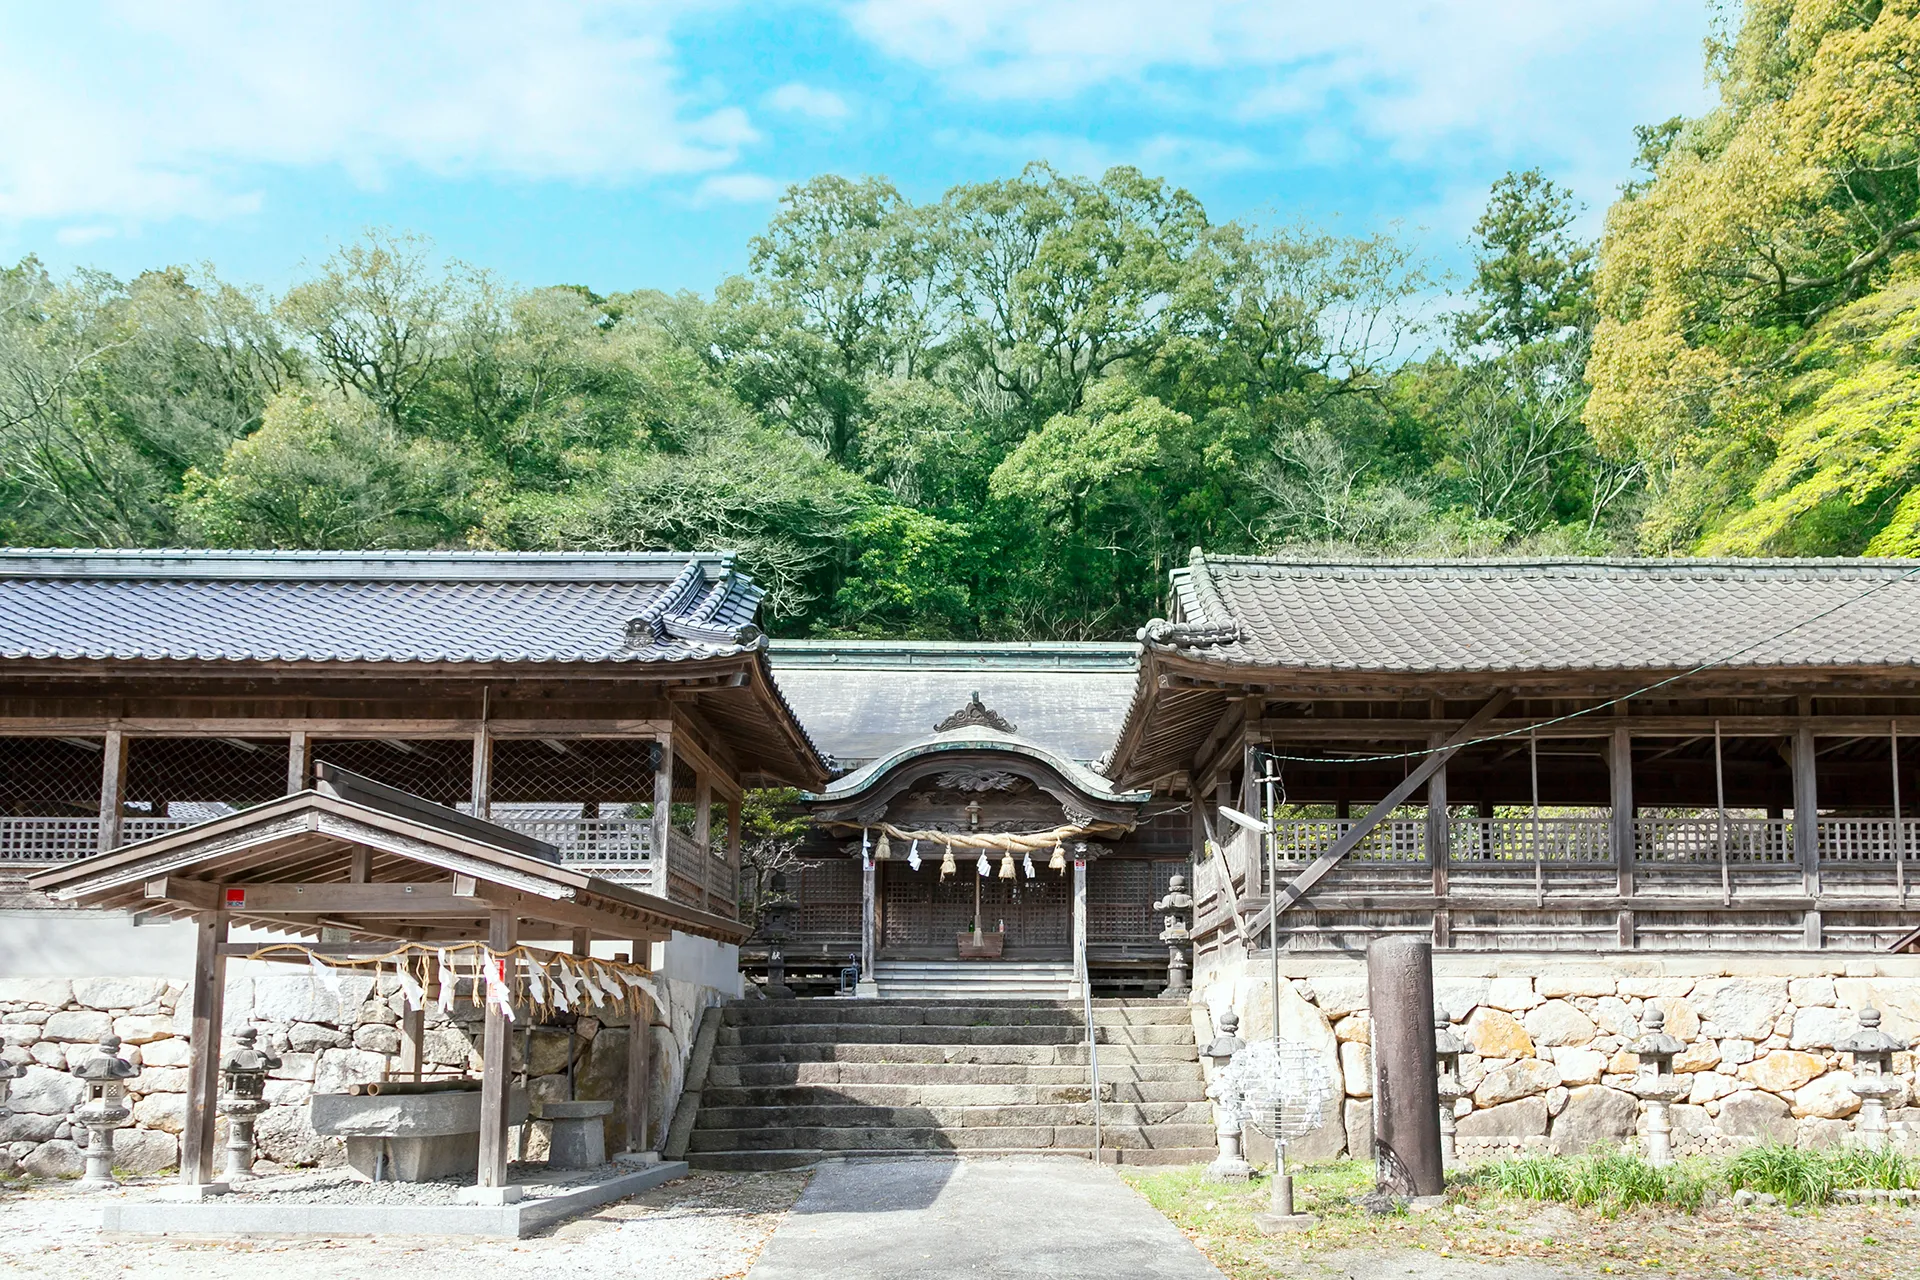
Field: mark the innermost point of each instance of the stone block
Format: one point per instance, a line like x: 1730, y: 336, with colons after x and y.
x: 447, y: 1047
x: 1615, y: 1017
x: 81, y: 1026
x: 1515, y: 995
x: 1358, y: 1115
x: 56, y: 1159
x: 1337, y: 996
x: 378, y: 1012
x: 1831, y: 1097
x: 1557, y: 1098
x: 28, y: 1126
x: 1356, y: 1069
x: 1701, y: 1055
x: 1816, y: 1134
x: 19, y: 1037
x: 46, y: 1092
x: 548, y: 1050
x: 1580, y: 1066
x: 1556, y: 982
x: 282, y: 1135
x: 1710, y: 1086
x: 1740, y: 1007
x: 1328, y: 1142
x: 1810, y: 992
x: 1756, y: 1115
x: 174, y: 1051
x: 1683, y: 1023
x: 1459, y: 997
x: 1594, y: 1116
x: 298, y: 998
x: 1558, y: 1023
x: 1526, y: 1118
x: 376, y: 1038
x: 1640, y: 986
x: 1734, y: 1053
x: 576, y: 1133
x: 50, y: 993
x: 294, y: 1066
x: 1819, y: 1028
x: 49, y: 1054
x: 1356, y: 1028
x: 117, y: 993
x: 310, y: 1037
x: 1518, y: 1080
x: 422, y: 1136
x: 160, y: 1080
x: 166, y: 1112
x: 1783, y: 1070
x: 145, y: 1151
x: 1492, y: 1033
x: 286, y: 1093
x: 143, y: 1028
x: 336, y: 1070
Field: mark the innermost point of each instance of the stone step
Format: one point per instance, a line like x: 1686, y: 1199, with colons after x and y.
x: 725, y: 1054
x: 797, y: 1158
x: 852, y: 1074
x: 951, y: 1034
x: 950, y: 1095
x: 946, y: 1119
x: 944, y: 1013
x: 888, y: 1138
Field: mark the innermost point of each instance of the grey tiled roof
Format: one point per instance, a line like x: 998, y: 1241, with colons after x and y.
x: 1531, y: 615
x: 862, y: 699
x: 492, y: 607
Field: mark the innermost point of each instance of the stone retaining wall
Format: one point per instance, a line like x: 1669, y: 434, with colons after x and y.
x: 325, y: 1044
x: 1548, y: 1064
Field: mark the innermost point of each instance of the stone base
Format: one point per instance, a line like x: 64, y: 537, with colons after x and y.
x: 413, y: 1137
x: 1273, y: 1224
x: 235, y: 1216
x: 577, y: 1137
x: 641, y: 1159
x: 192, y: 1192
x: 492, y: 1195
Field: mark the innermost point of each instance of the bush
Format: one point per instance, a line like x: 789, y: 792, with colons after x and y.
x: 1613, y: 1181
x: 1798, y: 1177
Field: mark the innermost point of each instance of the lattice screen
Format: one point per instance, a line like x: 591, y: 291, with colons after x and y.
x: 199, y: 778
x: 436, y: 769
x: 1120, y: 898
x: 50, y: 776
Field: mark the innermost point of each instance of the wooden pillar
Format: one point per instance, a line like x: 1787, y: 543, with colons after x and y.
x: 1620, y: 768
x: 639, y: 1047
x: 1079, y: 919
x: 297, y: 751
x: 1250, y: 777
x: 703, y: 835
x: 203, y: 1049
x: 1439, y: 845
x: 663, y: 814
x: 868, y: 985
x: 1806, y: 827
x: 482, y: 772
x: 413, y: 1038
x: 113, y: 788
x: 495, y: 1056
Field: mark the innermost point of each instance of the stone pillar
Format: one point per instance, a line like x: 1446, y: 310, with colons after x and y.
x: 1406, y: 1100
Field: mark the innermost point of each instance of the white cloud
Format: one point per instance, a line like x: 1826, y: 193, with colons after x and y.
x: 1490, y: 74
x: 1172, y: 155
x: 738, y: 188
x: 156, y: 111
x: 83, y: 235
x: 799, y: 99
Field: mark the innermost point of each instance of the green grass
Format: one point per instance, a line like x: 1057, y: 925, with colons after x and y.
x: 1798, y: 1177
x: 1611, y: 1182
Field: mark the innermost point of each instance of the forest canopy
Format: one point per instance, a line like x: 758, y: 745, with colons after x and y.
x: 1008, y: 412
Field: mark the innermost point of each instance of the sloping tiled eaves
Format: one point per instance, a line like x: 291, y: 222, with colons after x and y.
x: 1548, y: 617
x: 337, y: 621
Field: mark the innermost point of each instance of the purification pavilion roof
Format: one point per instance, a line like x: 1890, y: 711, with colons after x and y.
x: 441, y: 607
x: 863, y: 699
x: 311, y: 838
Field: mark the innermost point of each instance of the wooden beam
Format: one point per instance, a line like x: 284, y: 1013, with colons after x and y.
x: 1620, y: 774
x: 327, y: 897
x: 1351, y: 838
x: 662, y: 804
x: 209, y: 989
x: 1597, y: 726
x: 201, y: 895
x: 113, y: 787
x: 482, y: 772
x: 325, y: 726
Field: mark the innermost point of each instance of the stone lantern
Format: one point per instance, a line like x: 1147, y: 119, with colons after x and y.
x: 775, y: 925
x: 1230, y: 1165
x: 106, y: 1074
x: 1176, y: 904
x: 1447, y: 1048
x: 243, y: 1077
x: 1655, y: 1083
x: 1873, y: 1077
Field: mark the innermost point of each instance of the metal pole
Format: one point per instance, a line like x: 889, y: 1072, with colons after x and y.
x: 1720, y: 801
x: 1273, y: 892
x: 1539, y: 862
x: 1899, y: 828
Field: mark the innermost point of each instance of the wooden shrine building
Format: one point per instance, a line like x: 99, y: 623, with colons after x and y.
x: 1580, y: 756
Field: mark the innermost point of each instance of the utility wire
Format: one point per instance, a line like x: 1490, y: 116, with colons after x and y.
x: 1611, y: 702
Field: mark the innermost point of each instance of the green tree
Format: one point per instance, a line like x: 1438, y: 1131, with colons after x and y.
x: 1532, y: 280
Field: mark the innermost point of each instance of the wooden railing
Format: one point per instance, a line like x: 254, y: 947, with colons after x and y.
x: 1751, y: 840
x: 1555, y: 839
x: 1394, y: 840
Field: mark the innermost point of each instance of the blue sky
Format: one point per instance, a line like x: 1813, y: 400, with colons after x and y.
x: 629, y: 145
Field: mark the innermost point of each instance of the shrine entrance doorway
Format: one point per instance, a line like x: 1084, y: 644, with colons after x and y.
x: 922, y: 914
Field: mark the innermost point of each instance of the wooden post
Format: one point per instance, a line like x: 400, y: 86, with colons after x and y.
x: 703, y: 835
x: 868, y: 986
x: 495, y: 1055
x: 413, y: 1038
x: 113, y: 788
x: 297, y: 751
x: 1439, y: 844
x: 482, y: 772
x: 663, y: 815
x: 1899, y: 826
x: 639, y: 1045
x: 1806, y: 827
x: 203, y: 1049
x: 1620, y: 767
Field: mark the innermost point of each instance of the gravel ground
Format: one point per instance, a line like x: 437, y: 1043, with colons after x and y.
x: 708, y: 1226
x: 337, y: 1186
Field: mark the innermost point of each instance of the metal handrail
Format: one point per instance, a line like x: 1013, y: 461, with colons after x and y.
x: 1093, y: 1053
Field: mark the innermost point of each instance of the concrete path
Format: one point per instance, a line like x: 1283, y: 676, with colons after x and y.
x: 1020, y: 1219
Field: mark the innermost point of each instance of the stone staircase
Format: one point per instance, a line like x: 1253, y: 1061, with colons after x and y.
x: 972, y: 979
x: 793, y: 1082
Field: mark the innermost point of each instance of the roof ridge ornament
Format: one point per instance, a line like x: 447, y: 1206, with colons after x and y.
x: 976, y: 714
x: 1191, y: 635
